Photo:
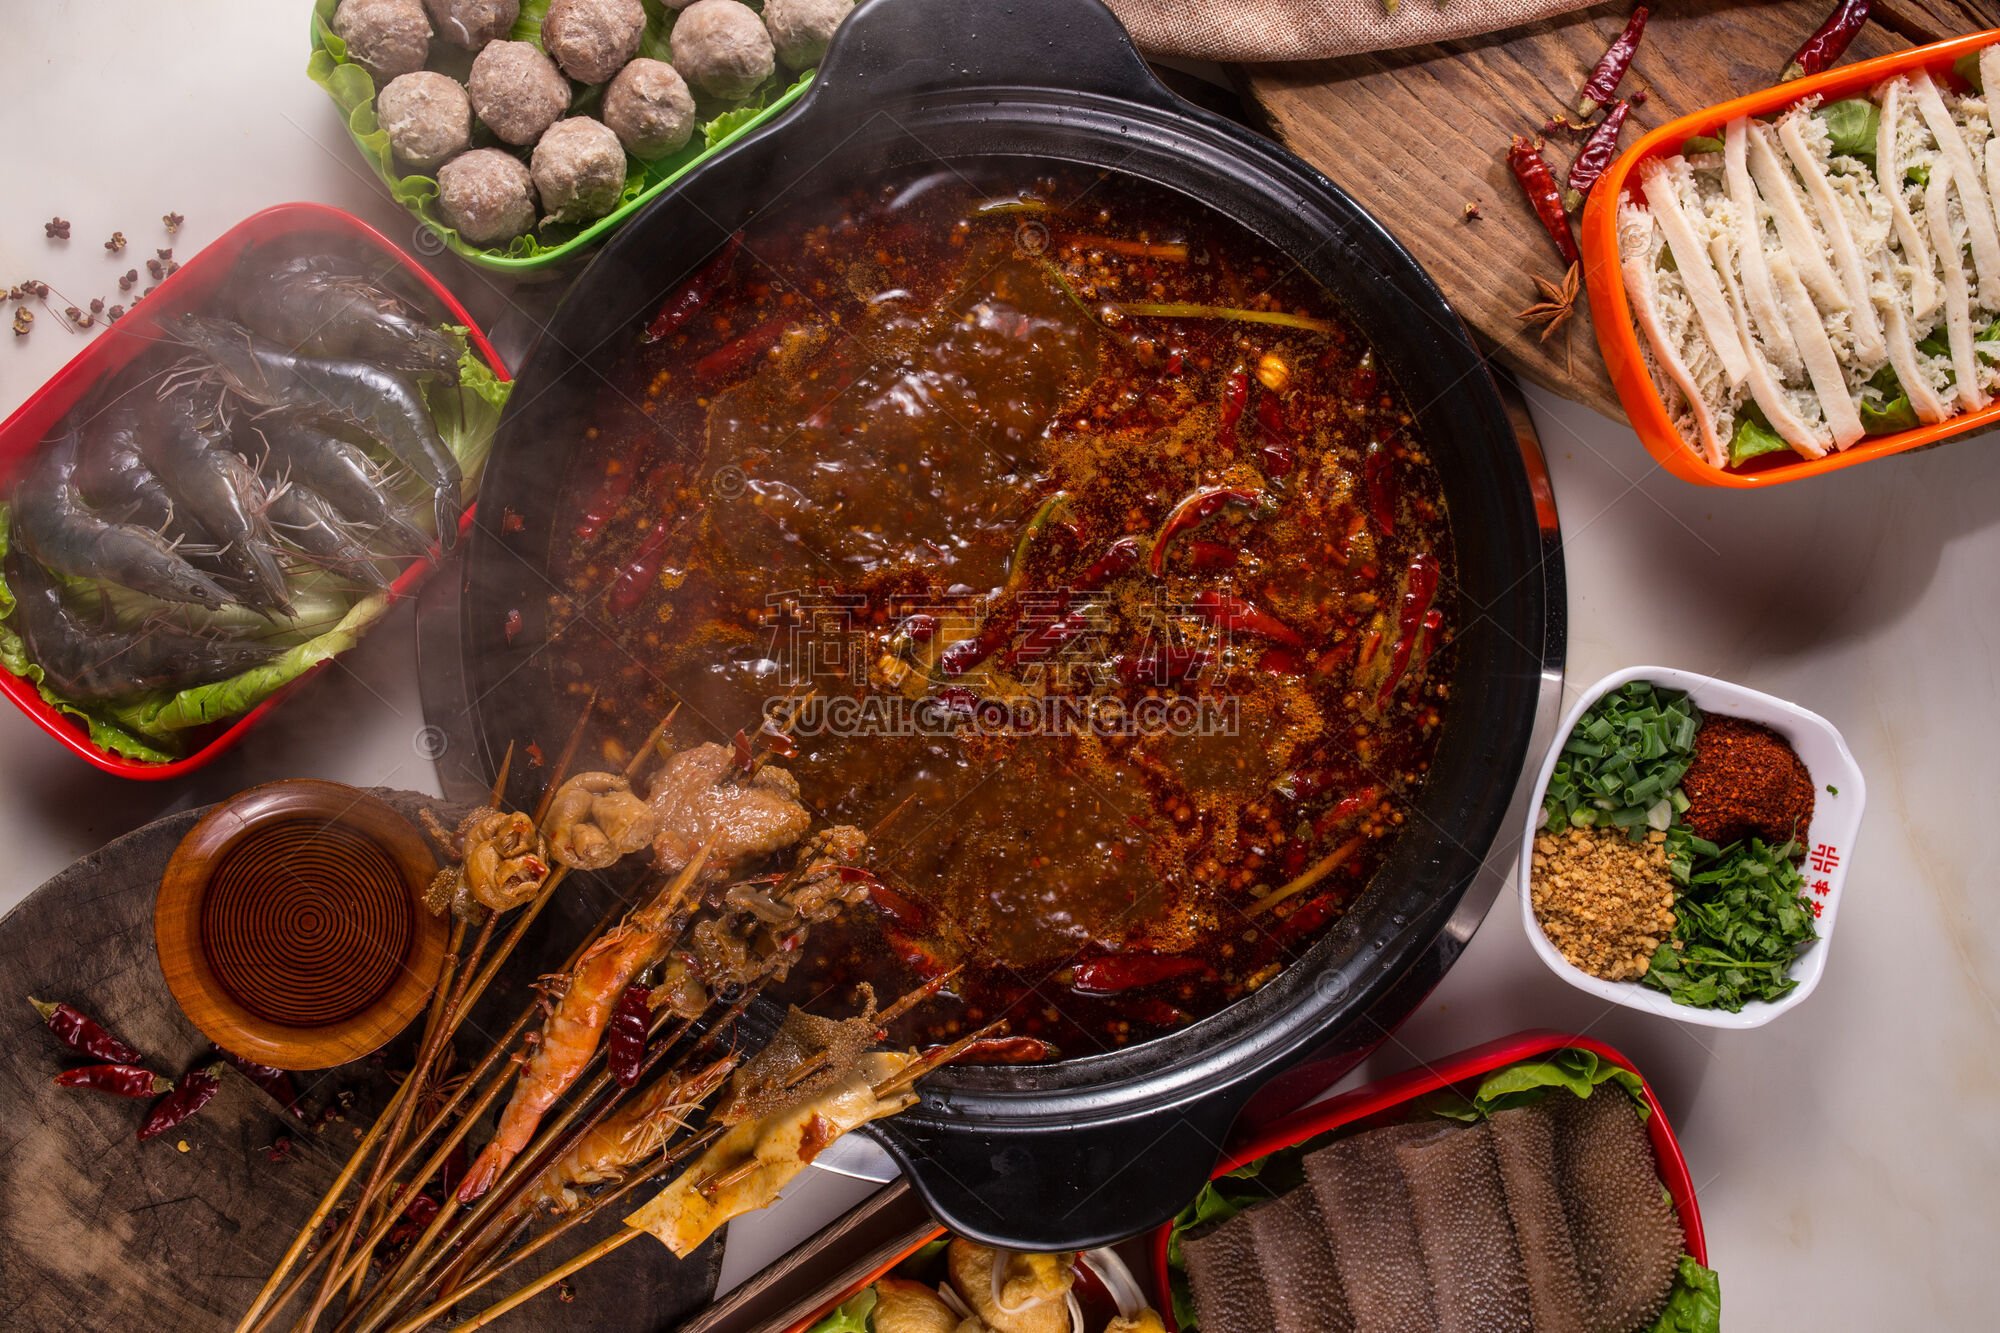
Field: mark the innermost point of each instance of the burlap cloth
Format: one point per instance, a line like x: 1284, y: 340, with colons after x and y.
x: 1255, y: 30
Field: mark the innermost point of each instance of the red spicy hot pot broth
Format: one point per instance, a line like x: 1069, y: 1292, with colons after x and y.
x: 1120, y: 585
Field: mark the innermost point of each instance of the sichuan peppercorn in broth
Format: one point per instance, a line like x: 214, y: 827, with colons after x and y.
x: 1087, y: 548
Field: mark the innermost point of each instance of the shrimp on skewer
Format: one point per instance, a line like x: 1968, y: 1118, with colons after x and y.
x: 636, y: 1131
x: 571, y: 1033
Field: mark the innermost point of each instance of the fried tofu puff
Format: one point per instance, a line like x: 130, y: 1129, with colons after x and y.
x: 1031, y: 1287
x: 902, y: 1306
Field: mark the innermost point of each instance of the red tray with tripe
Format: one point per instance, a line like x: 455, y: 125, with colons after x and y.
x: 190, y: 288
x: 1392, y: 1100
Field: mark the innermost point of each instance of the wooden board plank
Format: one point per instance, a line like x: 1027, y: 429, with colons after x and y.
x: 1416, y: 134
x: 98, y: 1231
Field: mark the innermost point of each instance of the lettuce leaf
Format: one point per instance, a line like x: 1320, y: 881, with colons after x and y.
x: 1753, y: 436
x: 151, y: 727
x: 1695, y: 1303
x: 1582, y: 1072
x: 851, y: 1317
x: 353, y: 91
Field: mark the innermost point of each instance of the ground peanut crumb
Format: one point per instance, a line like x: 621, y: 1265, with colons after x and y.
x: 1605, y: 901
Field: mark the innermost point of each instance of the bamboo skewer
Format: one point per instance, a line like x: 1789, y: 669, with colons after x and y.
x: 662, y: 909
x: 261, y: 1309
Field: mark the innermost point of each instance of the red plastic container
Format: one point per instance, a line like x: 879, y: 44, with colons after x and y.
x: 1380, y: 1100
x: 188, y: 289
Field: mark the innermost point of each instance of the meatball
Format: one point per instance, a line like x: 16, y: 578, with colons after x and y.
x: 487, y: 195
x: 592, y: 39
x: 648, y: 106
x: 384, y: 37
x: 721, y: 47
x: 579, y: 168
x: 473, y: 23
x: 427, y: 117
x: 800, y: 29
x: 517, y: 91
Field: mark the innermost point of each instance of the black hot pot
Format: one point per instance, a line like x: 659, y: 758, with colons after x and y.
x: 1096, y: 1148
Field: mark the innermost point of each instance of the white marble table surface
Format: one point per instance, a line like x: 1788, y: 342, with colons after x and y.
x: 1847, y: 1157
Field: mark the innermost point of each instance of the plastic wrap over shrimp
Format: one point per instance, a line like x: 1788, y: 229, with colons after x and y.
x: 502, y: 863
x: 595, y: 819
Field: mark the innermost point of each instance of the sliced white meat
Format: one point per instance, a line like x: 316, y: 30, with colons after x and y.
x: 1957, y: 300
x: 1808, y: 437
x: 1889, y: 167
x: 1765, y: 318
x: 1979, y: 224
x: 1846, y: 246
x: 1903, y: 354
x: 1662, y: 190
x: 1843, y: 420
x: 1801, y: 239
x: 1639, y: 285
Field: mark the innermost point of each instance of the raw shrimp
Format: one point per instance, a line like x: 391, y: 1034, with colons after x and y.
x: 113, y: 474
x: 182, y: 443
x: 57, y: 528
x: 381, y: 403
x: 571, y: 1033
x: 636, y: 1131
x: 322, y: 310
x: 85, y: 663
x: 341, y: 472
x: 302, y: 517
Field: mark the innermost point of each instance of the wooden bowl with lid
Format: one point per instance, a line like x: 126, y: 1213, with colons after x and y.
x: 291, y: 928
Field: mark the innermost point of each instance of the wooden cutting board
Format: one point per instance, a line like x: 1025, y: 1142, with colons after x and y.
x: 98, y: 1231
x: 1417, y: 134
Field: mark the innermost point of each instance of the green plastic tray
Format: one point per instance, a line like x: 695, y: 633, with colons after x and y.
x: 550, y: 247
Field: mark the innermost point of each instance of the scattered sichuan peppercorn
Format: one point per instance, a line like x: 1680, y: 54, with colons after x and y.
x: 1470, y: 212
x: 116, y: 243
x: 24, y: 320
x: 120, y: 1080
x: 156, y: 268
x: 172, y: 222
x: 55, y: 229
x: 129, y: 281
x: 114, y: 314
x: 192, y: 1093
x: 1746, y: 781
x: 84, y: 1034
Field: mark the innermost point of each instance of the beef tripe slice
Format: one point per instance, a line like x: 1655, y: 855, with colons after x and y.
x: 1477, y: 1285
x: 1627, y: 1236
x: 1224, y: 1279
x: 1524, y: 1147
x: 1366, y: 1207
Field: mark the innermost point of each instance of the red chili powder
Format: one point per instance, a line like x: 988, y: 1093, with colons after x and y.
x: 1746, y: 781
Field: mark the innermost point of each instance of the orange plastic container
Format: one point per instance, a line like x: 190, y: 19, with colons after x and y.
x: 1619, y: 338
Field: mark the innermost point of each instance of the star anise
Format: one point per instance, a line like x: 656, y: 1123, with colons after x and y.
x: 1553, y: 311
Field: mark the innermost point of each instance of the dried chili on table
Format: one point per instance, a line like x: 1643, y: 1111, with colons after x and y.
x: 84, y: 1034
x: 1602, y: 85
x: 1538, y: 182
x: 120, y: 1080
x: 192, y: 1093
x: 1595, y: 155
x: 625, y: 1045
x: 1829, y: 42
x: 274, y: 1081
